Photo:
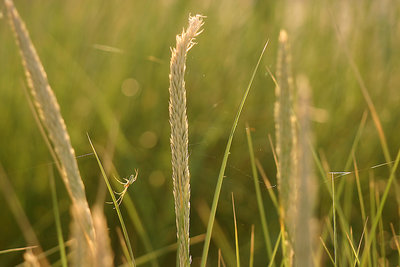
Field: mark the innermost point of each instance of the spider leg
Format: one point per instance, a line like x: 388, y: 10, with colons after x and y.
x: 119, y: 181
x: 119, y: 193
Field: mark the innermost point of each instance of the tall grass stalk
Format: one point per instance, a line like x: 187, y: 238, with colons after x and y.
x: 49, y: 113
x: 224, y: 163
x: 179, y: 135
x: 285, y: 140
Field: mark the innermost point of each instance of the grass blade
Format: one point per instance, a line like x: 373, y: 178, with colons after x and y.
x: 267, y: 238
x: 140, y: 229
x: 335, y: 243
x: 271, y: 263
x: 357, y: 260
x: 219, y: 237
x: 61, y: 243
x: 327, y: 250
x: 380, y: 209
x: 223, y: 165
x: 110, y: 190
x: 236, y: 233
x: 162, y: 251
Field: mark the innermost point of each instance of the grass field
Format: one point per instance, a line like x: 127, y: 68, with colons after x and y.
x: 108, y: 65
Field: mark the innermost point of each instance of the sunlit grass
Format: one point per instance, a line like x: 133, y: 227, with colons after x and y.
x: 108, y: 67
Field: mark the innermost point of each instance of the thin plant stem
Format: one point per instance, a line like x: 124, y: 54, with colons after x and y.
x: 236, y: 233
x: 261, y: 210
x: 278, y: 241
x: 223, y: 165
x: 334, y: 222
x: 110, y: 190
x: 380, y: 209
x: 251, y: 260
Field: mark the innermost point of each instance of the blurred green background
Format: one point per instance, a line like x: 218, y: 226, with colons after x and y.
x: 120, y: 97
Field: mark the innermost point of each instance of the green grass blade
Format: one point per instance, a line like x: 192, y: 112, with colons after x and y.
x: 267, y: 238
x: 162, y: 251
x: 357, y: 260
x: 140, y: 229
x: 380, y: 209
x: 236, y: 233
x: 219, y: 237
x: 359, y: 192
x: 61, y: 243
x: 373, y: 251
x: 327, y: 250
x: 121, y: 220
x: 271, y: 263
x: 223, y: 165
x: 268, y: 185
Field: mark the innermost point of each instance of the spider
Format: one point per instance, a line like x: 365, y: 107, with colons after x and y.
x: 126, y: 184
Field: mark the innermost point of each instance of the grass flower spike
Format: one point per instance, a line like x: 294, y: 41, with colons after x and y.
x: 179, y: 135
x: 49, y: 112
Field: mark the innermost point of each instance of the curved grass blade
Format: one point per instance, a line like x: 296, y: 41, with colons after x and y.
x: 223, y: 165
x: 275, y: 250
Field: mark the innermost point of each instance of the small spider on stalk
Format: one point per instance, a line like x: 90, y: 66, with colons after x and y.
x: 127, y: 182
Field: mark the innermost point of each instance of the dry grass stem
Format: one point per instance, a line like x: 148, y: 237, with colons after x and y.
x: 49, y: 113
x: 179, y: 135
